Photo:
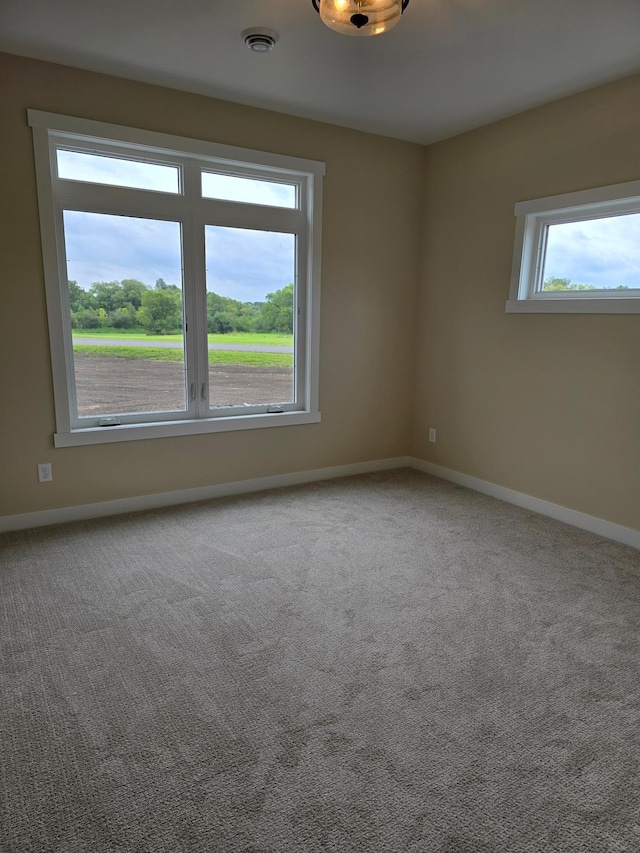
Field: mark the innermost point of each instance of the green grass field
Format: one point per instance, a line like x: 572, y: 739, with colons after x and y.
x: 265, y: 339
x: 253, y: 359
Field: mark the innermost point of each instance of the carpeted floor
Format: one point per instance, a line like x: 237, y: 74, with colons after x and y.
x: 382, y: 664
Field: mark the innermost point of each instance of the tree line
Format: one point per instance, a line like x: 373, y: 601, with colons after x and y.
x: 131, y: 304
x: 555, y: 283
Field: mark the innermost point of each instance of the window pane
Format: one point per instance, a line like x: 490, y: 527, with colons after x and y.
x: 595, y: 254
x: 125, y: 277
x: 117, y: 172
x: 250, y: 306
x: 250, y: 190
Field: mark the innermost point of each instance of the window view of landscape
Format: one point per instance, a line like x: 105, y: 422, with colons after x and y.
x: 593, y: 254
x: 252, y: 363
x: 113, y: 321
x: 126, y: 304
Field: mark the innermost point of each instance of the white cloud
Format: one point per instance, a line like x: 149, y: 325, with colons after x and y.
x: 250, y: 190
x: 602, y: 252
x: 241, y: 263
x: 117, y: 172
x: 246, y: 265
x: 103, y: 247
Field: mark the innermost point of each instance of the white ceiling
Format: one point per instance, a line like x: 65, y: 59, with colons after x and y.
x: 449, y: 65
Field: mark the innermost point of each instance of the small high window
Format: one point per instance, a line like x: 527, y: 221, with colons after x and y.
x: 578, y: 253
x: 117, y: 171
x: 248, y: 190
x: 182, y: 282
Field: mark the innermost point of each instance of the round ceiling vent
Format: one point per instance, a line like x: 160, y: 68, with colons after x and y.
x: 259, y: 39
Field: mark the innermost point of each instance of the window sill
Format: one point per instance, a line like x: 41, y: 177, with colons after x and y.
x: 136, y: 432
x: 574, y: 306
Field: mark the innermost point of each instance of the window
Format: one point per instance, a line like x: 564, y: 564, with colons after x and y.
x: 578, y: 253
x: 182, y: 282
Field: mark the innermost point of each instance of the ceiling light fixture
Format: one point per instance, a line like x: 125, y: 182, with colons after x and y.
x: 259, y: 39
x: 360, y: 17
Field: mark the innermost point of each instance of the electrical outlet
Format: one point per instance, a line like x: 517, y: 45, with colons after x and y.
x: 432, y: 435
x: 44, y: 472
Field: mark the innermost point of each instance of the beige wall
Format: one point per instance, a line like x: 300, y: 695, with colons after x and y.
x: 548, y: 405
x: 370, y: 274
x: 416, y: 269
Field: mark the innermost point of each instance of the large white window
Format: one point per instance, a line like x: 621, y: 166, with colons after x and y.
x: 578, y: 253
x: 182, y: 282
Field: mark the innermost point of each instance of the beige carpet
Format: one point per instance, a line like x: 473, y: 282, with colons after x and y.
x: 379, y: 664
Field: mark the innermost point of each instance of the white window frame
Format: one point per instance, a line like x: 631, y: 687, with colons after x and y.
x: 532, y: 221
x: 188, y: 207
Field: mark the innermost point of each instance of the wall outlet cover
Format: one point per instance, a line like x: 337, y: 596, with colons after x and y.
x: 44, y: 472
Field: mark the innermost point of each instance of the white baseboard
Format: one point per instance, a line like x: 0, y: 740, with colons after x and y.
x: 142, y: 502
x: 625, y: 535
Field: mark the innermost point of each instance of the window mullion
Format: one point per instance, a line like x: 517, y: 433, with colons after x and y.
x: 233, y: 214
x: 200, y: 374
x: 190, y: 314
x: 122, y: 200
x: 202, y: 386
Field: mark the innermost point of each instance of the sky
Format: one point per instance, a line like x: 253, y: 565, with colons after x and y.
x: 602, y: 252
x: 163, y: 177
x: 243, y: 264
x: 246, y: 265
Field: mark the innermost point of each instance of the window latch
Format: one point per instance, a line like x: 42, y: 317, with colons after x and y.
x: 203, y: 391
x: 192, y: 391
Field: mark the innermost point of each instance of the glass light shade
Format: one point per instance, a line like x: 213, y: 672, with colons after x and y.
x: 361, y: 17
